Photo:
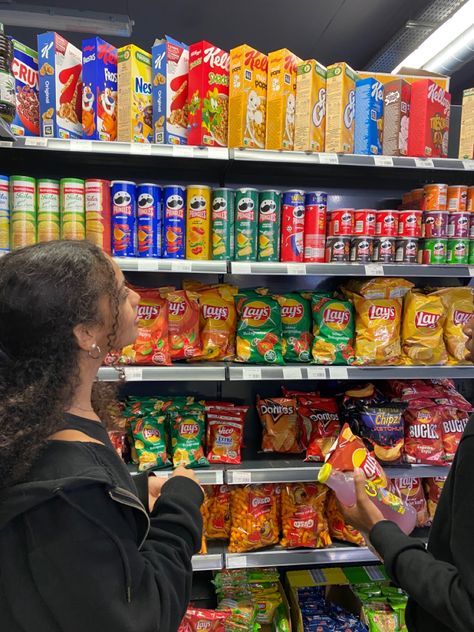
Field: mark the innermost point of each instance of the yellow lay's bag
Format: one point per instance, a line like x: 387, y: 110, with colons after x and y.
x: 218, y: 322
x: 459, y: 306
x: 379, y: 287
x: 422, y: 329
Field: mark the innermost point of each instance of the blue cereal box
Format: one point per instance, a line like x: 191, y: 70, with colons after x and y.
x: 368, y: 117
x: 25, y: 71
x: 170, y: 65
x: 60, y: 87
x: 99, y: 90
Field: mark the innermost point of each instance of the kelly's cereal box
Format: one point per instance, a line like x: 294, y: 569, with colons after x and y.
x: 340, y: 108
x: 25, y: 71
x: 247, y: 97
x: 430, y: 107
x: 281, y: 99
x: 208, y: 100
x: 368, y: 117
x: 170, y: 66
x: 135, y: 109
x: 466, y: 141
x: 310, y: 117
x: 396, y: 117
x: 60, y: 87
x: 99, y: 90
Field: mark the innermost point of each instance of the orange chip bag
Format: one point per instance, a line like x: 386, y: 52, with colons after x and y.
x: 459, y: 306
x: 281, y: 427
x: 433, y: 488
x: 217, y: 512
x: 218, y: 322
x: 338, y: 528
x: 183, y: 328
x: 254, y: 518
x: 302, y: 513
x: 422, y: 329
x: 411, y: 492
x: 225, y: 429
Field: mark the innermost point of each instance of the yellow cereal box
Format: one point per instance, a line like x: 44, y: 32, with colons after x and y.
x: 310, y: 117
x: 135, y: 108
x: 247, y: 97
x: 340, y: 108
x: 281, y: 99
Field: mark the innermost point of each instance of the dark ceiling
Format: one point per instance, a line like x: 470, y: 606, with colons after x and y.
x: 328, y: 30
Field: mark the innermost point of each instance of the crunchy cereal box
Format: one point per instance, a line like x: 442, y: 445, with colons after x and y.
x: 60, y: 87
x: 170, y: 66
x: 25, y: 71
x: 310, y: 116
x: 430, y: 107
x: 340, y: 108
x: 99, y: 90
x: 135, y: 109
x: 247, y: 97
x: 396, y: 117
x: 281, y: 99
x: 208, y: 100
x: 466, y: 141
x: 368, y: 117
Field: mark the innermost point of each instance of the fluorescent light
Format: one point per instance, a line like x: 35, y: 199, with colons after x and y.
x: 440, y: 39
x: 54, y: 19
x: 456, y: 53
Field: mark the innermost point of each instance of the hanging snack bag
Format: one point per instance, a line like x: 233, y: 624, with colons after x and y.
x: 200, y: 619
x: 459, y: 305
x: 381, y: 287
x: 302, y: 513
x: 410, y: 490
x: 149, y: 439
x: 187, y: 430
x: 433, y: 488
x: 422, y: 329
x: 217, y: 523
x: 183, y: 329
x: 333, y: 329
x: 296, y: 327
x: 423, y: 439
x: 218, y: 322
x: 225, y: 431
x: 338, y: 528
x: 320, y: 425
x: 254, y: 518
x: 259, y: 329
x: 453, y: 423
x: 281, y: 431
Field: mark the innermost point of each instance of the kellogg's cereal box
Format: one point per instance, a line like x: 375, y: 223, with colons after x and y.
x: 281, y: 99
x: 170, y: 66
x: 310, y: 116
x: 247, y: 97
x: 430, y: 107
x: 368, y: 117
x: 396, y: 117
x: 99, y: 91
x: 466, y: 141
x: 340, y: 108
x: 60, y: 87
x: 25, y: 71
x: 135, y: 111
x: 208, y: 95
x: 387, y: 77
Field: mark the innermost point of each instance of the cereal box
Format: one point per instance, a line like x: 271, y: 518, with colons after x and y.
x: 310, y: 117
x: 135, y: 109
x: 208, y: 100
x: 396, y: 117
x: 340, y: 108
x: 466, y: 141
x: 407, y: 74
x: 25, y: 71
x: 247, y: 97
x: 99, y: 91
x: 281, y: 99
x: 170, y: 66
x: 430, y: 107
x: 60, y: 87
x: 368, y: 117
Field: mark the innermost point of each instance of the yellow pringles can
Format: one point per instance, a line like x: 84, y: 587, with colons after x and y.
x: 4, y: 214
x: 198, y: 222
x: 23, y: 211
x: 48, y: 210
x: 73, y: 218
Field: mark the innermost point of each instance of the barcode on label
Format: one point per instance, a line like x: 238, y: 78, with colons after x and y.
x: 318, y: 575
x: 328, y: 159
x: 424, y: 163
x: 133, y: 373
x: 241, y: 478
x: 316, y: 373
x: 181, y: 266
x: 251, y: 373
x: 383, y: 161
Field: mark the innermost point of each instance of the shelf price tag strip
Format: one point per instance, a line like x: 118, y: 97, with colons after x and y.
x: 140, y: 149
x: 33, y: 141
x: 147, y: 265
x: 251, y: 373
x: 241, y: 478
x: 316, y: 373
x: 133, y: 373
x: 180, y: 265
x: 328, y: 159
x: 374, y: 269
x: 383, y: 161
x: 424, y: 163
x: 291, y: 373
x: 338, y: 373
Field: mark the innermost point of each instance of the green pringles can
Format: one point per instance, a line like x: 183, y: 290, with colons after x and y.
x: 269, y: 214
x: 471, y: 252
x: 246, y: 224
x: 434, y: 251
x: 458, y: 251
x: 223, y: 219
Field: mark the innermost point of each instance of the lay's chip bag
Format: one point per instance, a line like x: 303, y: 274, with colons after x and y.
x: 296, y: 327
x: 218, y: 322
x: 183, y: 326
x: 459, y: 306
x: 422, y: 329
x: 187, y: 431
x: 259, y: 328
x: 333, y: 329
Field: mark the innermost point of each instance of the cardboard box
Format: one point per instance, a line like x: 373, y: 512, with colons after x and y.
x: 466, y: 140
x: 208, y: 95
x: 247, y: 97
x: 340, y: 108
x: 60, y: 87
x: 368, y: 117
x: 396, y: 117
x: 99, y: 90
x: 25, y: 71
x: 310, y: 117
x: 170, y: 67
x: 135, y: 108
x: 408, y: 74
x: 281, y: 99
x: 430, y: 107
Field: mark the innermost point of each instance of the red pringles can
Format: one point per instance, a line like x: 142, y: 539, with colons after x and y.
x: 292, y: 226
x: 316, y: 206
x: 98, y: 215
x: 364, y: 222
x: 410, y: 223
x: 387, y: 223
x: 341, y: 222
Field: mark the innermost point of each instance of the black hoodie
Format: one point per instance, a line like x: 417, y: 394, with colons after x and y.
x: 79, y: 552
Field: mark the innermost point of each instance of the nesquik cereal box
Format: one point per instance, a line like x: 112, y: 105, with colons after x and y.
x: 99, y: 92
x: 396, y: 117
x: 208, y: 101
x: 430, y: 107
x: 466, y: 141
x: 340, y: 108
x: 247, y: 97
x: 310, y: 116
x: 369, y: 117
x: 135, y: 109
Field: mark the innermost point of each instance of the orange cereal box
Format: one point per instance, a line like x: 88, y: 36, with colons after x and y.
x: 340, y: 108
x: 281, y: 99
x: 310, y: 117
x: 135, y: 108
x: 247, y: 97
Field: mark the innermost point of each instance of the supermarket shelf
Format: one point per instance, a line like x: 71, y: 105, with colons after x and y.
x: 130, y: 264
x: 209, y: 372
x: 211, y: 476
x: 212, y: 561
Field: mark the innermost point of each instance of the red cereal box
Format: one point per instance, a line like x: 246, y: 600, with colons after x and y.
x: 430, y: 107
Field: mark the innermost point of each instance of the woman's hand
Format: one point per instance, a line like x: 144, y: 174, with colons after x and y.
x: 155, y: 484
x: 364, y: 514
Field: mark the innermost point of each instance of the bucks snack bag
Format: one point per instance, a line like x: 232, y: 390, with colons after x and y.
x: 259, y: 329
x: 333, y: 329
x: 296, y: 327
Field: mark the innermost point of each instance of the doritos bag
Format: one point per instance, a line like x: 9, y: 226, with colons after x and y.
x: 422, y: 329
x: 459, y: 305
x: 411, y: 492
x: 183, y: 308
x: 259, y: 329
x: 320, y: 424
x: 218, y: 322
x: 280, y: 425
x: 296, y: 327
x: 304, y: 522
x: 333, y: 329
x: 423, y: 439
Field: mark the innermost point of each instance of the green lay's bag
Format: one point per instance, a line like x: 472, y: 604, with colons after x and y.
x: 187, y: 426
x: 296, y: 327
x: 149, y: 439
x: 333, y: 329
x: 259, y: 329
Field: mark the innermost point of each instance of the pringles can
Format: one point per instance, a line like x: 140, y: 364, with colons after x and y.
x: 22, y: 211
x: 315, y: 217
x: 458, y: 251
x: 198, y: 222
x: 433, y: 251
x: 4, y: 214
x: 364, y: 222
x: 149, y: 220
x: 124, y: 213
x: 246, y: 224
x: 174, y: 222
x: 222, y: 224
x: 341, y: 222
x: 435, y: 197
x: 457, y: 198
x: 48, y: 219
x: 98, y: 214
x: 292, y: 226
x: 72, y: 200
x: 269, y: 214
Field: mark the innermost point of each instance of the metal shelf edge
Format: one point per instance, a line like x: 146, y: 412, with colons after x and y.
x: 275, y: 557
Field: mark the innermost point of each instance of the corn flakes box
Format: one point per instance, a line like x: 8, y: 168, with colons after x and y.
x: 281, y: 99
x: 99, y: 91
x: 60, y: 87
x: 170, y: 66
x: 340, y: 108
x: 208, y: 101
x: 25, y: 71
x: 247, y: 97
x: 135, y: 111
x: 430, y: 107
x: 310, y: 115
x: 368, y: 117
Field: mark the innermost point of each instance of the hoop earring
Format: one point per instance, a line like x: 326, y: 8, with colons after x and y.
x: 94, y: 352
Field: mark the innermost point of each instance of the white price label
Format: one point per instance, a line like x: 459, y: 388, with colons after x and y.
x: 133, y: 373
x: 237, y: 561
x: 241, y: 268
x: 241, y: 478
x: 140, y: 149
x: 296, y: 268
x: 76, y: 144
x: 162, y: 474
x: 383, y: 161
x: 183, y: 151
x: 291, y: 373
x: 33, y: 141
x: 147, y: 265
x: 424, y: 163
x: 218, y: 153
x: 6, y: 143
x: 181, y: 266
x: 468, y: 165
x: 374, y: 269
x: 328, y: 159
x: 251, y: 373
x: 338, y: 372
x: 316, y: 373
x: 471, y: 271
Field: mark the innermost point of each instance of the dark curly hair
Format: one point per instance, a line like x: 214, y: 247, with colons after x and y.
x: 45, y: 291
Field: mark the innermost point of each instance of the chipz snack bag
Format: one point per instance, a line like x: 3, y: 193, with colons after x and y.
x: 296, y: 327
x: 333, y: 329
x: 281, y: 432
x: 302, y: 512
x: 423, y: 439
x: 183, y: 329
x: 320, y: 424
x: 422, y: 329
x: 254, y: 518
x: 187, y: 430
x: 259, y: 329
x: 459, y: 306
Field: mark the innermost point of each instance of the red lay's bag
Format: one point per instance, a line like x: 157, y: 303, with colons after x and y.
x: 320, y: 425
x: 183, y: 328
x: 410, y: 490
x: 201, y: 620
x: 423, y: 439
x: 433, y: 488
x: 453, y: 423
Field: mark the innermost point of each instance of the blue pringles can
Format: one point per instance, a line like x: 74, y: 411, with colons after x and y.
x: 124, y: 214
x: 174, y: 222
x: 149, y: 220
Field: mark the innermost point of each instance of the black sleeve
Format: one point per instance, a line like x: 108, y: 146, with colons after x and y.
x: 89, y: 570
x: 141, y: 484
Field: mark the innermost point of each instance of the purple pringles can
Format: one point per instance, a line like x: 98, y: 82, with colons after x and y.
x: 149, y: 220
x: 174, y: 222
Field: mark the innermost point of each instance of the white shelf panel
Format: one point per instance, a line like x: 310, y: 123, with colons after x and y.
x: 210, y: 372
x: 212, y: 561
